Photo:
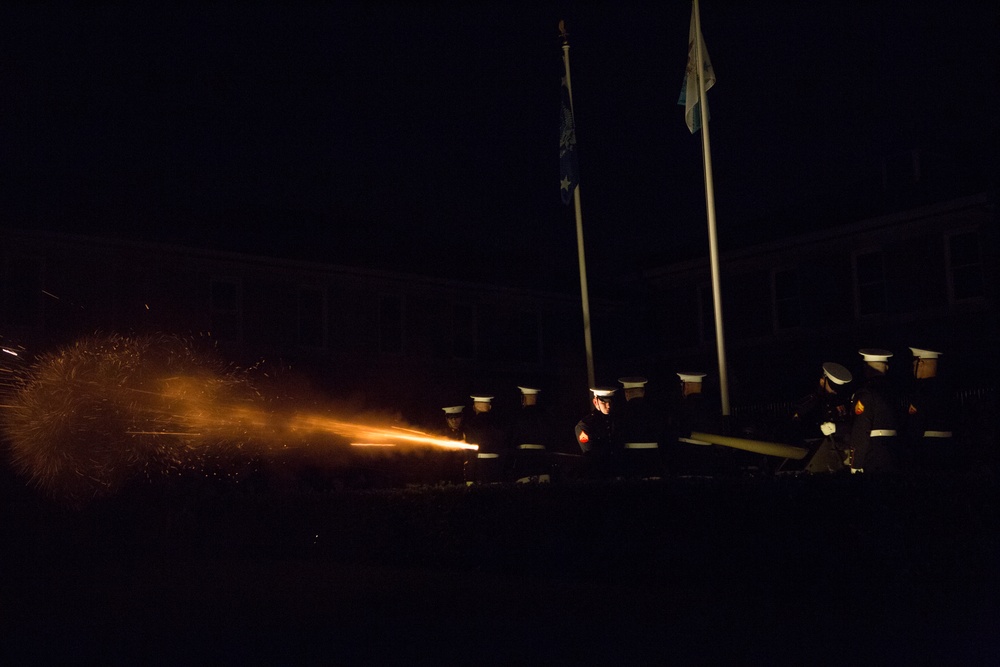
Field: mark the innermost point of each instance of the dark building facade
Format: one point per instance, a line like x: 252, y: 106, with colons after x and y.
x: 924, y: 277
x: 400, y: 340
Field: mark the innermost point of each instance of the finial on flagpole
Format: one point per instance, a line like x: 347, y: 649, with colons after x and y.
x: 562, y: 32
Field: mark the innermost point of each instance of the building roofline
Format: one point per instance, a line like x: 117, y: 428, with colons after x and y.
x: 276, y: 262
x: 839, y: 231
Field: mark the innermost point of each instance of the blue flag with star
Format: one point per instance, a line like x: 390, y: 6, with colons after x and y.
x: 568, y: 173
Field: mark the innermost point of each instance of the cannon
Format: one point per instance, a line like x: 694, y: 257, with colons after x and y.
x: 746, y: 444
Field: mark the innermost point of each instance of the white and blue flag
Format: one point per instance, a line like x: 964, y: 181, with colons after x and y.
x: 690, y: 98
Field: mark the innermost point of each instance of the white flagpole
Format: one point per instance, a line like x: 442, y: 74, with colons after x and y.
x: 579, y: 230
x: 710, y: 205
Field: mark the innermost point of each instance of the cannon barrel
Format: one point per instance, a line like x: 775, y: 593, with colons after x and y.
x: 757, y: 446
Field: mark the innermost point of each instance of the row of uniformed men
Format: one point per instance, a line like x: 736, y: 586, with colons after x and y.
x: 635, y: 439
x: 515, y: 450
x: 872, y: 428
x: 869, y: 429
x: 861, y: 429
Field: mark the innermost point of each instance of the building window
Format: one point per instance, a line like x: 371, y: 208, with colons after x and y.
x: 965, y: 267
x: 528, y: 338
x: 786, y: 299
x: 869, y: 277
x: 311, y: 316
x: 390, y: 324
x: 490, y: 334
x: 226, y: 309
x: 463, y: 332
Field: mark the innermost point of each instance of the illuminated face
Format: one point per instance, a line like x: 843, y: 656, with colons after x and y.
x: 924, y: 368
x: 688, y: 388
x: 880, y: 366
x: 602, y: 404
x: 454, y: 421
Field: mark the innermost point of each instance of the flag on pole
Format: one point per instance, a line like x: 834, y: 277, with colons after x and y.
x: 689, y: 98
x: 569, y: 177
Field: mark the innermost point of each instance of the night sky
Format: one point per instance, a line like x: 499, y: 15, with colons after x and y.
x: 381, y: 135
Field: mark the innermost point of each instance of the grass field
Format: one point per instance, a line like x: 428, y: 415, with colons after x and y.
x: 768, y: 570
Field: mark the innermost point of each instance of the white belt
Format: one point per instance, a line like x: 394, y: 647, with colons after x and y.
x: 641, y: 445
x: 487, y: 455
x: 882, y: 432
x: 937, y: 434
x: 542, y: 479
x: 531, y: 446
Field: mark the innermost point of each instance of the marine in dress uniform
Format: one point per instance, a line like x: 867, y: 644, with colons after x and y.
x: 642, y: 430
x: 821, y: 420
x: 928, y: 422
x: 453, y: 418
x: 454, y: 462
x: 873, y: 436
x: 694, y: 411
x: 598, y: 437
x: 483, y: 428
x: 530, y: 439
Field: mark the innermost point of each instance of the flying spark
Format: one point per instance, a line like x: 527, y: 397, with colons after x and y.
x: 88, y: 418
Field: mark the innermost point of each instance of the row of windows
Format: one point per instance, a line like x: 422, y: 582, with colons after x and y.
x: 466, y: 332
x: 256, y: 311
x: 472, y: 333
x: 903, y: 276
x: 876, y: 285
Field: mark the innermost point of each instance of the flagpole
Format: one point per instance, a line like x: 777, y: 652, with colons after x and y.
x: 710, y: 206
x: 585, y: 299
